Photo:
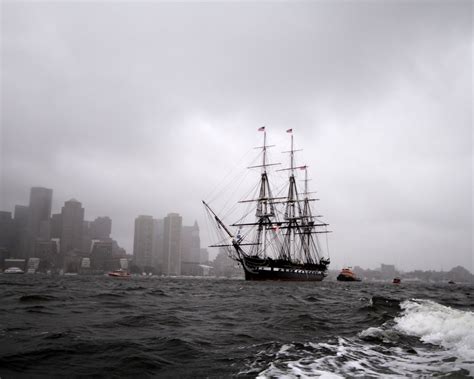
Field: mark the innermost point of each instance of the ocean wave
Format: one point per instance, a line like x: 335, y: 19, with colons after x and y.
x: 36, y: 298
x: 426, y: 339
x: 440, y: 325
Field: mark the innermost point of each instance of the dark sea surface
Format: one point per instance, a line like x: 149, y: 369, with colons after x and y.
x: 171, y: 327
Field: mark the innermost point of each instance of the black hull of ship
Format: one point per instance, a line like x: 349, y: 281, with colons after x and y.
x: 268, y: 272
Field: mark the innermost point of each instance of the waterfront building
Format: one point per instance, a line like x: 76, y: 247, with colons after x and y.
x: 204, y: 256
x: 101, y: 256
x: 32, y: 265
x: 143, y: 242
x: 190, y: 250
x: 39, y: 214
x: 72, y: 215
x: 20, y: 220
x: 86, y: 236
x: 39, y: 209
x: 101, y: 228
x: 48, y: 253
x: 56, y: 225
x: 123, y: 263
x: 172, y: 244
x: 7, y: 231
x: 158, y: 231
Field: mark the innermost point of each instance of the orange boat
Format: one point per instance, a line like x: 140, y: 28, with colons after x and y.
x: 347, y: 275
x: 120, y: 273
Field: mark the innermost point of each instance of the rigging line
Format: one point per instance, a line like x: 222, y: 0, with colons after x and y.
x: 231, y: 181
x: 238, y: 177
x: 231, y: 197
x: 327, y: 243
x: 217, y: 232
x: 229, y: 211
x: 229, y: 172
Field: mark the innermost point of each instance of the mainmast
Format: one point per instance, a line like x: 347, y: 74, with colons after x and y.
x: 292, y: 209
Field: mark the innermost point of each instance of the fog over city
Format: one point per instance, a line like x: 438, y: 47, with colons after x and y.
x: 142, y: 108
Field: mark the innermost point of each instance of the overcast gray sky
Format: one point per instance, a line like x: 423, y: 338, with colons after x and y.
x: 141, y: 108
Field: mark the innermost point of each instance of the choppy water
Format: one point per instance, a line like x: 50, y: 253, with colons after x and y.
x: 100, y: 326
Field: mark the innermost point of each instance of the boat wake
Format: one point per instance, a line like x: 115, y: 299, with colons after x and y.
x: 426, y: 339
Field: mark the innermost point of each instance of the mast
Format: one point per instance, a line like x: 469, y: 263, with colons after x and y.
x: 292, y: 208
x: 265, y: 209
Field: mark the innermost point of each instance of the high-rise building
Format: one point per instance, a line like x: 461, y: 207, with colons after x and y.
x: 7, y: 231
x: 72, y: 215
x: 172, y: 244
x: 143, y: 242
x: 190, y: 250
x: 38, y: 216
x: 101, y: 228
x: 158, y: 230
x: 39, y: 209
x: 86, y: 236
x: 56, y: 225
x: 101, y: 256
x: 20, y: 220
x: 204, y: 256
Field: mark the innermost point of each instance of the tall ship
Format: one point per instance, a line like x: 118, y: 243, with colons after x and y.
x: 278, y: 235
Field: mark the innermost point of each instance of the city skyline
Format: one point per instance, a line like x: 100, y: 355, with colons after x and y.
x: 143, y: 109
x: 101, y: 224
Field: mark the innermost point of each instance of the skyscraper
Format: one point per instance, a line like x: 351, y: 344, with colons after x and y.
x: 72, y: 217
x: 143, y: 242
x: 190, y: 250
x: 7, y: 231
x: 172, y: 244
x: 56, y: 225
x: 158, y: 230
x: 39, y: 209
x: 38, y: 216
x: 20, y: 220
x: 101, y: 228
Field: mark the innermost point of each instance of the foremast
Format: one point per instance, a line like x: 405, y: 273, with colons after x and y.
x: 265, y: 211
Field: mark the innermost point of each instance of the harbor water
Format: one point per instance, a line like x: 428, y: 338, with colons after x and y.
x: 178, y: 327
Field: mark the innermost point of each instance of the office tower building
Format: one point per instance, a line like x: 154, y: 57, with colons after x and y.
x: 86, y: 236
x: 20, y: 220
x: 7, y: 231
x: 143, y: 242
x: 158, y: 230
x: 204, y: 256
x: 56, y: 225
x: 172, y: 244
x: 72, y: 215
x: 38, y: 216
x: 190, y: 250
x: 101, y: 256
x: 39, y: 209
x: 101, y: 228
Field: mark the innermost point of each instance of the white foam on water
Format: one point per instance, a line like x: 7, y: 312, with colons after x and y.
x: 440, y: 325
x: 450, y: 329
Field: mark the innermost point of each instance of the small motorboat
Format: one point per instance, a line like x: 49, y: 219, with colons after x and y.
x: 13, y: 270
x: 120, y: 273
x: 347, y: 275
x: 397, y: 280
